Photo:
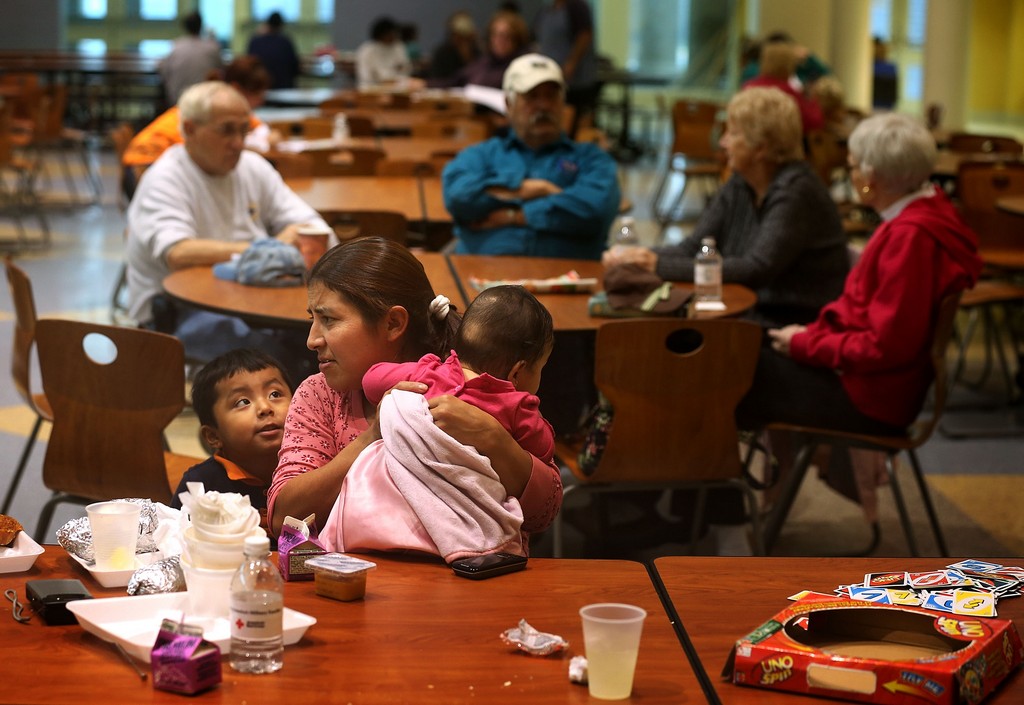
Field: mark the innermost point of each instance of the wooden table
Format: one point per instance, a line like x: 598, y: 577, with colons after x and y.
x: 719, y: 600
x: 569, y: 311
x: 422, y: 635
x: 401, y: 194
x: 274, y: 307
x: 419, y: 149
x: 947, y: 163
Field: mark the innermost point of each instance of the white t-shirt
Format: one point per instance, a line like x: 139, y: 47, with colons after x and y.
x: 176, y: 200
x: 377, y: 62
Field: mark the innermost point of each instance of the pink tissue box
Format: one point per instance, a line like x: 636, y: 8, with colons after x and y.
x: 182, y: 661
x: 297, y: 543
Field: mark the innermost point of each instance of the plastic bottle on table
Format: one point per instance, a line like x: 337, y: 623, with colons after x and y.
x: 340, y: 132
x: 707, y: 272
x: 257, y: 607
x: 626, y: 235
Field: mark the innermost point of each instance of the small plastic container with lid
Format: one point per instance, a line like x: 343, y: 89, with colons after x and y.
x: 340, y: 577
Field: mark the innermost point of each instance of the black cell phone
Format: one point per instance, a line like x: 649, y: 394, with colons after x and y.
x: 50, y: 598
x: 481, y: 567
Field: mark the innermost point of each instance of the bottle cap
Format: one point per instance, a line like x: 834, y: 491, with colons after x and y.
x: 627, y: 220
x: 256, y: 546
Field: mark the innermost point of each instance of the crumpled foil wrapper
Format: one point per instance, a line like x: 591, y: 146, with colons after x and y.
x: 525, y: 638
x: 76, y: 536
x: 162, y: 576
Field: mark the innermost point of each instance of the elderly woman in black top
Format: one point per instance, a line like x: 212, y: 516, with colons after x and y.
x: 774, y: 222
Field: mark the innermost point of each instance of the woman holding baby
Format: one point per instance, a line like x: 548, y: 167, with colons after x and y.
x: 370, y: 301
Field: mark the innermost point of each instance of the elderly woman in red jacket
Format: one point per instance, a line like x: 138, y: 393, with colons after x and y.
x: 863, y: 366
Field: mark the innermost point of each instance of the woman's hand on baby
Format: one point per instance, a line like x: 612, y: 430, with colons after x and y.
x: 462, y: 421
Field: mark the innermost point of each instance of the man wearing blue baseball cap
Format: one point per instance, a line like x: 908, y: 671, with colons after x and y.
x: 533, y: 191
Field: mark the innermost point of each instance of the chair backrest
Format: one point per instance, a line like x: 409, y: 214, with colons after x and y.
x: 24, y: 330
x: 455, y: 129
x: 109, y: 414
x: 406, y: 167
x: 352, y: 224
x: 693, y: 129
x: 979, y: 184
x: 988, y: 144
x: 351, y: 161
x: 674, y: 385
x: 945, y: 318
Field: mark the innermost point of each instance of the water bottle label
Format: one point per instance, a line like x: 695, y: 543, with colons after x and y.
x: 260, y: 618
x: 707, y: 274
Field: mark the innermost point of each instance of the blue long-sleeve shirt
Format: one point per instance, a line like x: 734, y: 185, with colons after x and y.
x: 573, y: 223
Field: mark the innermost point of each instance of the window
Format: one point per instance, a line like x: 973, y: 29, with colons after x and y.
x: 290, y: 9
x: 91, y: 47
x: 158, y: 9
x: 683, y: 40
x: 218, y: 18
x: 92, y: 9
x: 155, y: 48
x: 325, y: 11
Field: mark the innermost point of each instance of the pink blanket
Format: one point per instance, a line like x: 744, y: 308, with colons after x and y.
x: 419, y: 489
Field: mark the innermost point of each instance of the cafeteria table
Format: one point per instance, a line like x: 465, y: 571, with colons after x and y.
x: 421, y: 635
x: 569, y: 310
x: 272, y: 307
x: 415, y: 198
x: 720, y: 600
x: 286, y: 307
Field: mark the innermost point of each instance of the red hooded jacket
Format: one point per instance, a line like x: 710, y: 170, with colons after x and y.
x: 877, y: 334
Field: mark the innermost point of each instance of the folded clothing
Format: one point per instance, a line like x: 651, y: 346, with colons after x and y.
x: 266, y: 262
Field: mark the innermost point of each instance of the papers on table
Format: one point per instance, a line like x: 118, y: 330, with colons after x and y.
x: 486, y: 96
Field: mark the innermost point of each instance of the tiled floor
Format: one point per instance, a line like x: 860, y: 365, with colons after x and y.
x: 977, y: 484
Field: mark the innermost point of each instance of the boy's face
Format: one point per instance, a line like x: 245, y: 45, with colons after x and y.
x: 250, y: 412
x: 526, y: 378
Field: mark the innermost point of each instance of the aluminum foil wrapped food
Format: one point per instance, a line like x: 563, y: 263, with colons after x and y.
x: 525, y: 638
x: 76, y: 536
x: 162, y: 576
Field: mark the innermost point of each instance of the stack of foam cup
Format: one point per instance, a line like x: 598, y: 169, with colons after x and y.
x: 215, y: 526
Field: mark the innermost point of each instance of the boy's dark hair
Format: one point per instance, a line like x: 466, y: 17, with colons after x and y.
x: 503, y: 325
x: 204, y: 387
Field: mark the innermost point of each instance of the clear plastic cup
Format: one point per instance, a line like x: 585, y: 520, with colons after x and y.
x: 312, y: 243
x: 611, y: 636
x: 115, y: 534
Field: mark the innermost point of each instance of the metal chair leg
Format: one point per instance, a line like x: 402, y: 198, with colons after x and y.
x: 790, y: 487
x: 901, y: 507
x: 22, y: 462
x: 926, y: 498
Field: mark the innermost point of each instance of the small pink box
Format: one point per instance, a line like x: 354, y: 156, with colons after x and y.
x: 297, y: 543
x: 182, y: 661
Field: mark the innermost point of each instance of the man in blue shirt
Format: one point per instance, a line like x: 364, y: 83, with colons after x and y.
x: 534, y: 191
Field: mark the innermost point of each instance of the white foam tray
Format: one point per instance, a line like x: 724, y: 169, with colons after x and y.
x: 133, y: 622
x: 20, y: 555
x: 118, y: 578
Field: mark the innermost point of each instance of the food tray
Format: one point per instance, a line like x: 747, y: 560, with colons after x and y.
x: 21, y: 555
x: 133, y: 622
x: 118, y: 578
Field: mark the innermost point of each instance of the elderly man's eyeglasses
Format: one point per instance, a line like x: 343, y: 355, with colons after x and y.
x: 230, y: 130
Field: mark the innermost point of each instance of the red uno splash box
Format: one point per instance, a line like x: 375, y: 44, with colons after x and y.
x: 858, y: 650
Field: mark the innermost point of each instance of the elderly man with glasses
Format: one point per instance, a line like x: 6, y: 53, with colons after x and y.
x: 200, y: 203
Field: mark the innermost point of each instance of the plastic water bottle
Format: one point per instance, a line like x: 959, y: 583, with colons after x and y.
x: 257, y: 607
x: 340, y: 130
x: 707, y: 272
x: 626, y: 236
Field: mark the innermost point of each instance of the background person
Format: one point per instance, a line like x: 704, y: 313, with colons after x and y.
x: 191, y: 60
x: 200, y: 203
x: 863, y: 365
x: 774, y: 222
x: 276, y: 52
x: 533, y: 191
x: 778, y: 70
x: 383, y: 57
x: 565, y: 31
x: 245, y: 74
x: 370, y: 302
x: 507, y: 39
x: 459, y: 49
